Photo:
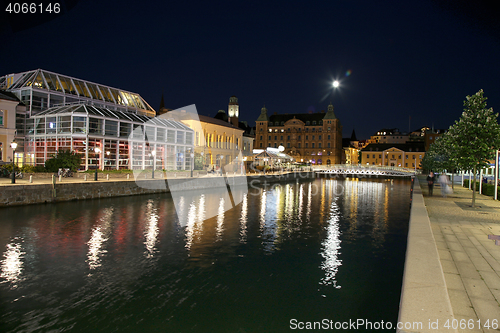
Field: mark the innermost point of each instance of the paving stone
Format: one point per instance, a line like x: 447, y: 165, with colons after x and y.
x: 476, y: 288
x: 449, y: 266
x: 491, y: 279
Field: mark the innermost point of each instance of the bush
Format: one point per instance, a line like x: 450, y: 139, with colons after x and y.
x: 63, y: 159
x: 33, y: 168
x: 487, y: 189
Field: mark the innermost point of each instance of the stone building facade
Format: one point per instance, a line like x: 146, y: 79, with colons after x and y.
x: 307, y: 137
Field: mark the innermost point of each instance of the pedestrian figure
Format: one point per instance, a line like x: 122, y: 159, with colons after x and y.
x: 444, y: 182
x: 430, y: 182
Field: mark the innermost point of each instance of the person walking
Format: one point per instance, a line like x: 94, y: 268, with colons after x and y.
x: 430, y: 182
x: 443, y: 181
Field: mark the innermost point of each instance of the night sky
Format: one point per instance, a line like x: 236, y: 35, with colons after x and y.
x: 395, y: 59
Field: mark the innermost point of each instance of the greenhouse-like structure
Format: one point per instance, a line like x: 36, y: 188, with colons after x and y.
x: 109, y: 139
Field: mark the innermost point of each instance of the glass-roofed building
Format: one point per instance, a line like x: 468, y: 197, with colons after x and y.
x: 110, y: 139
x: 41, y: 89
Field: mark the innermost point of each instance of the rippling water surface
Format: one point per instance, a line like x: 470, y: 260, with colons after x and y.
x: 309, y: 250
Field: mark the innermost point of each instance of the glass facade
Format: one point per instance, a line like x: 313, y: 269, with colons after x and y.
x: 40, y: 89
x: 105, y: 138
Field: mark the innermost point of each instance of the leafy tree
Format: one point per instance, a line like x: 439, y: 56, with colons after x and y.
x: 63, y: 159
x: 475, y: 137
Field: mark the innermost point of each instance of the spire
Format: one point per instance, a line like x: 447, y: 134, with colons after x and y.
x: 162, y: 102
x: 353, y: 136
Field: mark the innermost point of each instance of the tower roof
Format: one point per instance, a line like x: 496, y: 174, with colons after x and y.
x: 330, y: 114
x: 263, y: 114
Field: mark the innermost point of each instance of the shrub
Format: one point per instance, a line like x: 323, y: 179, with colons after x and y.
x: 63, y: 159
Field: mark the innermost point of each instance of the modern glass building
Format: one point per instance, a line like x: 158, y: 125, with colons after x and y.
x: 109, y: 139
x: 40, y: 89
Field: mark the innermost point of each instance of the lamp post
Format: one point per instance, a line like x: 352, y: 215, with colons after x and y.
x: 97, y: 151
x: 13, y: 145
x: 153, y: 153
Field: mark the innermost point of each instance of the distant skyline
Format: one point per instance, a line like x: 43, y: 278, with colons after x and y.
x: 394, y: 60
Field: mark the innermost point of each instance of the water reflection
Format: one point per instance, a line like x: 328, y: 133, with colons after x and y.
x: 330, y: 248
x: 151, y: 231
x: 11, y: 266
x: 244, y: 219
x: 220, y: 219
x: 98, y: 238
x: 216, y: 259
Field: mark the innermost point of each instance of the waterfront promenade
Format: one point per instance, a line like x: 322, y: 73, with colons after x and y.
x: 469, y: 260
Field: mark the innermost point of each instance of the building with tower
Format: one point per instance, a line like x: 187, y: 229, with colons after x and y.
x: 233, y: 111
x: 307, y: 137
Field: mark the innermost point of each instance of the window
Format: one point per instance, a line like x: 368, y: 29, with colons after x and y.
x: 111, y: 128
x: 288, y: 137
x: 125, y: 129
x: 281, y: 137
x: 328, y: 144
x: 312, y: 145
x: 299, y: 144
x: 314, y: 137
x: 319, y: 137
x: 307, y: 137
x: 1, y: 117
x: 275, y: 137
x: 319, y: 144
x: 261, y: 145
x: 64, y: 124
x: 95, y: 126
x: 299, y: 137
x: 307, y: 144
x: 261, y: 137
x: 269, y: 137
x: 288, y: 145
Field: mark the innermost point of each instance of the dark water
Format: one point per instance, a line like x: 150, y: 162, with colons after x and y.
x: 310, y: 250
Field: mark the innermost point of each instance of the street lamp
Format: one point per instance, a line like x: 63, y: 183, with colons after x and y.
x: 13, y: 145
x: 336, y: 84
x: 97, y: 151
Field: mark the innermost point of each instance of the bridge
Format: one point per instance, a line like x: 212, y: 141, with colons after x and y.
x: 353, y: 170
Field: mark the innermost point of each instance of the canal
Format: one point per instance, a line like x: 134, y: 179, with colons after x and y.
x: 285, y: 255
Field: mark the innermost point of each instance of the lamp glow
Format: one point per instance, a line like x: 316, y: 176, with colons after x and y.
x: 335, y: 84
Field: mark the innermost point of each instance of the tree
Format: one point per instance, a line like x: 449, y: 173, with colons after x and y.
x: 63, y: 159
x: 475, y: 137
x: 439, y: 156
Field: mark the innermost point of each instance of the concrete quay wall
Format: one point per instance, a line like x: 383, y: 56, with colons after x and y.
x: 13, y: 195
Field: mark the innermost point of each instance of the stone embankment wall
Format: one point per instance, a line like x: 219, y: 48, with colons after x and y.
x: 46, y: 193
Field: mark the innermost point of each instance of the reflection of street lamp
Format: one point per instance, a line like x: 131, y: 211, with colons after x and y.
x: 13, y: 145
x: 192, y: 164
x: 97, y: 151
x: 153, y: 153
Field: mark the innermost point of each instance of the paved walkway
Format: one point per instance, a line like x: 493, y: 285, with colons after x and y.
x: 470, y: 261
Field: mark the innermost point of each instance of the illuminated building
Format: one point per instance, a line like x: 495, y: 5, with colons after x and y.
x: 40, y: 90
x: 407, y: 155
x: 307, y: 137
x: 109, y: 139
x: 9, y: 106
